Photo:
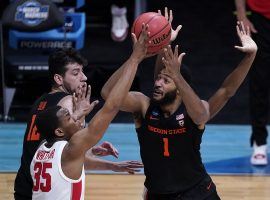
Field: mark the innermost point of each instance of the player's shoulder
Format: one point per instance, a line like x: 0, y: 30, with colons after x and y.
x: 140, y: 96
x: 65, y: 100
x: 142, y: 99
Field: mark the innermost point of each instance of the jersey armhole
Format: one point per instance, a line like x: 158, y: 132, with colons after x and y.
x: 60, y: 166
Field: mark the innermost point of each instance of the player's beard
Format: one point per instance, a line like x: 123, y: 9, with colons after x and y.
x: 66, y: 87
x: 168, y: 98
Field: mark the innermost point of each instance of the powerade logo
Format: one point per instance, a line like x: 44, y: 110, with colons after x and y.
x: 45, y: 44
x: 32, y: 13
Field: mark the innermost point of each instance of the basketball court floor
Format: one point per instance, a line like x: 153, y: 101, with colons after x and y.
x: 225, y: 152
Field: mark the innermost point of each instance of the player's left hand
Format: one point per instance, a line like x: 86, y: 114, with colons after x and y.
x: 248, y: 44
x: 169, y: 17
x: 172, y: 61
x: 141, y: 44
x: 127, y: 166
x: 105, y: 149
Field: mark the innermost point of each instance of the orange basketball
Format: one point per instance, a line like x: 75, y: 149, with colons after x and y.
x: 159, y: 28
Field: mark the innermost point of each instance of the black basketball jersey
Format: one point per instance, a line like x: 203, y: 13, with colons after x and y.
x: 32, y: 138
x: 170, y: 151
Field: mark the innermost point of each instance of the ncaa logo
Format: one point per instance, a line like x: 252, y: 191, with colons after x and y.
x: 155, y: 113
x: 32, y: 13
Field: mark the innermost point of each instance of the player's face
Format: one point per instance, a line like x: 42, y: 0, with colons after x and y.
x: 164, y: 89
x: 74, y: 77
x: 67, y: 123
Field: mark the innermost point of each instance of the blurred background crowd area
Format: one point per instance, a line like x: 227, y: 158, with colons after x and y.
x: 208, y: 37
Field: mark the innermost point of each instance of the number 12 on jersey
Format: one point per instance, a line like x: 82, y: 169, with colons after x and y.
x: 166, y: 152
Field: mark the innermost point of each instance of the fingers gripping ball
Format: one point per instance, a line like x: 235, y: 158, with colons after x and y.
x: 159, y: 28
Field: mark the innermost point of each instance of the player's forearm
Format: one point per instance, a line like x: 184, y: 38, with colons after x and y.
x: 93, y: 163
x: 193, y: 104
x: 240, y: 8
x: 158, y: 65
x: 236, y: 78
x: 230, y: 85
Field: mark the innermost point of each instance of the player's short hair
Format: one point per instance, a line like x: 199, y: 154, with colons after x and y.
x: 47, y: 121
x: 59, y: 59
x: 185, y: 72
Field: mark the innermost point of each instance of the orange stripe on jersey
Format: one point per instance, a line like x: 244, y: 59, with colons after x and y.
x: 42, y: 105
x: 76, y: 191
x: 33, y: 135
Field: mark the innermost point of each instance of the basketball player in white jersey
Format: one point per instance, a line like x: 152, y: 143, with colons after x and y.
x: 57, y: 168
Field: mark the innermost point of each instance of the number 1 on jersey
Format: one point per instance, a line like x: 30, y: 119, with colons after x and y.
x: 166, y: 152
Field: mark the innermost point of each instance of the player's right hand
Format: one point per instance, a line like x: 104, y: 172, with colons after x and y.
x: 81, y: 102
x: 141, y: 44
x: 127, y: 166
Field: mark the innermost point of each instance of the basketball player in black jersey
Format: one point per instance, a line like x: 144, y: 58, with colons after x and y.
x: 170, y: 125
x: 66, y: 74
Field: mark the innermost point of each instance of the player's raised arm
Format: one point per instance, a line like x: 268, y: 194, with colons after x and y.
x: 134, y: 101
x: 195, y: 108
x: 84, y: 139
x: 168, y: 14
x: 237, y: 76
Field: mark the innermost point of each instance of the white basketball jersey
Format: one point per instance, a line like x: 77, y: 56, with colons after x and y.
x: 49, y: 181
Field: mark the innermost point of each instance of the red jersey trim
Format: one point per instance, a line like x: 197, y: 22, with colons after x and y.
x: 76, y: 191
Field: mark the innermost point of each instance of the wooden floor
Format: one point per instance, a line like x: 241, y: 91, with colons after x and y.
x: 129, y: 187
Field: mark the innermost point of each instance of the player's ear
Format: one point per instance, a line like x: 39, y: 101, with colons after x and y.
x: 58, y: 79
x: 59, y: 132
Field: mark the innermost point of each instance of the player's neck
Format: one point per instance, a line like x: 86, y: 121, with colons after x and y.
x: 58, y: 89
x: 50, y: 143
x: 169, y: 109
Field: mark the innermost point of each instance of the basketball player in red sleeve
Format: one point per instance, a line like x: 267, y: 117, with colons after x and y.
x: 66, y: 76
x: 170, y: 125
x: 57, y: 168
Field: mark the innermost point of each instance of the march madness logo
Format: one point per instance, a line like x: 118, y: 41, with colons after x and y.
x: 32, y: 13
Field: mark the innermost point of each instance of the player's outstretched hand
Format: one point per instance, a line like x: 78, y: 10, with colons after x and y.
x: 169, y: 17
x: 248, y: 44
x: 141, y: 44
x: 127, y: 166
x: 105, y: 149
x: 81, y: 102
x: 172, y: 61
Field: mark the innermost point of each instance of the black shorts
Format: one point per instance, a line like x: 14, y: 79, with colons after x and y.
x: 205, y: 190
x: 21, y: 197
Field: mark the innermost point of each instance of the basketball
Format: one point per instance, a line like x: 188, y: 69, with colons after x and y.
x: 159, y: 28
